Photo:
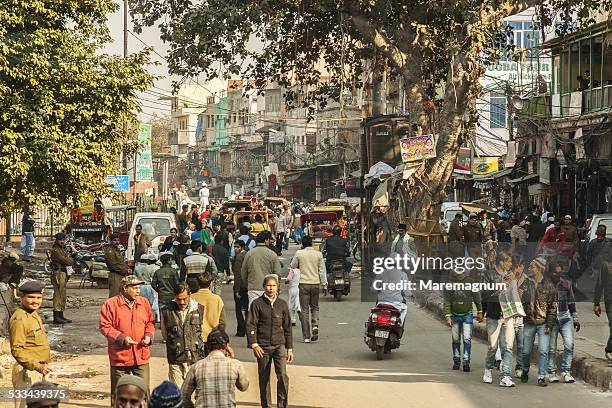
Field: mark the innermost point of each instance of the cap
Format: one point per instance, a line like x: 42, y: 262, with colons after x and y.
x: 540, y: 261
x: 166, y: 395
x: 552, y: 219
x: 247, y: 224
x: 401, y: 226
x: 59, y: 236
x: 144, y: 257
x: 132, y: 380
x: 32, y: 286
x: 152, y: 257
x: 568, y: 217
x: 131, y: 280
x: 473, y: 215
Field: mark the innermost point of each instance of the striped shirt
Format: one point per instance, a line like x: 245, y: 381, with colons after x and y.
x: 214, y: 379
x: 196, y: 264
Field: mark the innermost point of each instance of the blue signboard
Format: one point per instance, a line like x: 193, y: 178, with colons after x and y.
x: 120, y: 184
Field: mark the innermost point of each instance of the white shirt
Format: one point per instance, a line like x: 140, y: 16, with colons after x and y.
x: 281, y: 224
x: 204, y: 192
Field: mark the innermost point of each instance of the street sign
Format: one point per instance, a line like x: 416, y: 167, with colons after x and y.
x: 120, y: 184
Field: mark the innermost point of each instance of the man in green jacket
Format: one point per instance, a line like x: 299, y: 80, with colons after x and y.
x: 458, y: 311
x: 258, y: 263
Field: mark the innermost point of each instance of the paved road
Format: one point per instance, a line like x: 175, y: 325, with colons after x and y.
x: 340, y: 371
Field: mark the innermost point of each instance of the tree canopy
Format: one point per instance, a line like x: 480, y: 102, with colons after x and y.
x: 425, y: 42
x: 63, y: 103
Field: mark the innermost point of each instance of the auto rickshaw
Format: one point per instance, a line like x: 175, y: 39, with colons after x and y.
x: 274, y: 202
x: 240, y: 217
x: 318, y: 225
x: 120, y: 219
x: 341, y: 216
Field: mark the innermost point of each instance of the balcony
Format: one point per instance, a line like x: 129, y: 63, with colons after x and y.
x: 582, y: 102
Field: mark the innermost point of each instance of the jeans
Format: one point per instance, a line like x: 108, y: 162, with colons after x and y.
x: 309, y: 304
x: 519, y: 335
x: 505, y: 340
x: 298, y: 234
x: 530, y: 332
x: 566, y: 328
x: 462, y: 327
x: 286, y: 241
x: 278, y: 355
x: 28, y: 248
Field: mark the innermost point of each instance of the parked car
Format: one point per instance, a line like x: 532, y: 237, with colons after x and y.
x: 156, y: 226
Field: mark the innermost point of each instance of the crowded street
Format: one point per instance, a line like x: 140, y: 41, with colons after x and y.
x: 338, y: 366
x: 212, y: 204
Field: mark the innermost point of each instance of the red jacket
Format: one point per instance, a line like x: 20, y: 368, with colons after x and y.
x: 118, y: 321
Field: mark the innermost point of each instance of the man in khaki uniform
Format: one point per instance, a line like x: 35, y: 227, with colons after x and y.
x: 60, y: 262
x: 117, y: 266
x: 29, y: 344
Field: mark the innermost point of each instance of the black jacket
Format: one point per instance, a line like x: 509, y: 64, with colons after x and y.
x: 183, y: 339
x: 165, y: 282
x: 336, y: 248
x: 269, y: 325
x: 603, y: 286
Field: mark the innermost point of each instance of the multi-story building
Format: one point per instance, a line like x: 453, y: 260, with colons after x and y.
x: 567, y: 132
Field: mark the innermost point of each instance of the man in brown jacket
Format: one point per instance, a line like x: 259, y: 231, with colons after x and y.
x: 60, y: 264
x: 117, y: 266
x: 141, y: 243
x: 455, y: 237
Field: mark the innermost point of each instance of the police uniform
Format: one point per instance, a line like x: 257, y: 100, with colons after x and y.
x: 29, y: 344
x: 117, y: 267
x: 60, y: 260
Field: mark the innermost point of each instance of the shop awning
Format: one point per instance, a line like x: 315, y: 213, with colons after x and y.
x: 524, y: 178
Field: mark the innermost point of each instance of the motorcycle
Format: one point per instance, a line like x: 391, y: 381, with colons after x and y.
x: 338, y: 280
x: 383, y: 330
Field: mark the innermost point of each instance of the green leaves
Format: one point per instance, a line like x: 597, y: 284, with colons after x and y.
x: 62, y: 102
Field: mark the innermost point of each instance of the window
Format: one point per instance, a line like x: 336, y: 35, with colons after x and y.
x: 497, y: 110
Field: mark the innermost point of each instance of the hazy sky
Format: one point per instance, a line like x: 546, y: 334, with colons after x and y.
x: 150, y: 36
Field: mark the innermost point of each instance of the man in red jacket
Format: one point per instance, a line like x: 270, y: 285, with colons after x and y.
x: 126, y: 320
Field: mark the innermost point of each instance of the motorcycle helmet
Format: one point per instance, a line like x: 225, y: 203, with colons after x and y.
x: 336, y: 230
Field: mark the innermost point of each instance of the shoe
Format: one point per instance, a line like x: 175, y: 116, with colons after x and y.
x: 518, y: 373
x: 567, y: 378
x: 609, y: 357
x: 315, y: 334
x: 466, y: 368
x: 487, y: 377
x: 553, y: 378
x: 506, y: 381
x: 240, y: 334
x: 306, y: 340
x: 64, y: 319
x: 542, y: 382
x: 497, y: 364
x: 57, y: 318
x: 524, y: 376
x: 293, y: 324
x: 456, y: 366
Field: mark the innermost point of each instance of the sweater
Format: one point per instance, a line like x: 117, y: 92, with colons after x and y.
x: 269, y: 323
x: 214, y: 311
x: 459, y: 302
x: 259, y: 262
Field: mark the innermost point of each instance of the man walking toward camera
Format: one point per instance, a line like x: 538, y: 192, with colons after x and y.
x: 126, y: 320
x: 269, y: 335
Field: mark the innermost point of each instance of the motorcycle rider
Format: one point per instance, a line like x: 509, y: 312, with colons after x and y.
x: 335, y: 249
x: 395, y: 297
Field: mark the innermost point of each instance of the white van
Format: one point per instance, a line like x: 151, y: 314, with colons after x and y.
x: 447, y: 213
x: 156, y: 226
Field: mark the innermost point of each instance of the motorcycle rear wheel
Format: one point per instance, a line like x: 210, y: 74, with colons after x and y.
x: 380, y: 352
